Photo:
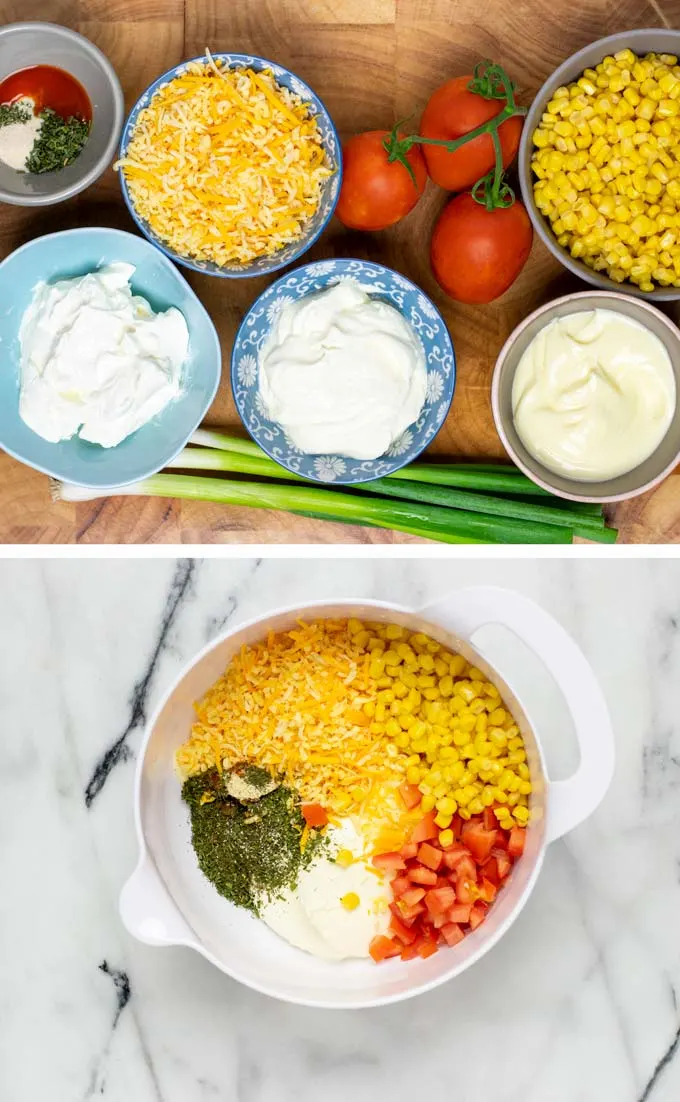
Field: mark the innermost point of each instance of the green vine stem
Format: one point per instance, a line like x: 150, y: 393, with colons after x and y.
x: 492, y: 82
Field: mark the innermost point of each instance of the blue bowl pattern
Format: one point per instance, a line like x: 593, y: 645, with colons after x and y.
x: 331, y: 143
x: 416, y: 308
x: 74, y: 253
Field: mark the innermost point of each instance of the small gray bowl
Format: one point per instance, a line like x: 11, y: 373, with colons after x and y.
x: 642, y: 478
x: 644, y: 41
x: 26, y: 44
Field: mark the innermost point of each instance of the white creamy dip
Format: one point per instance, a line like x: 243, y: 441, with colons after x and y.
x: 313, y: 918
x: 593, y: 395
x: 96, y: 359
x: 18, y: 138
x: 342, y: 372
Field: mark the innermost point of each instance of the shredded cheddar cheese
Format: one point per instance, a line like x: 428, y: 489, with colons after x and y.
x: 294, y: 704
x: 225, y: 165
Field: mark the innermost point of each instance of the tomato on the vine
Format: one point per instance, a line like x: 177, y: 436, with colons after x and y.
x: 452, y: 111
x: 477, y: 253
x: 377, y: 192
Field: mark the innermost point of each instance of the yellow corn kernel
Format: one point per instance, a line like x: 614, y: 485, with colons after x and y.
x: 344, y: 858
x: 443, y: 821
x: 521, y: 815
x: 427, y: 803
x: 667, y: 108
x: 524, y: 788
x: 350, y: 901
x: 645, y: 109
x: 446, y: 837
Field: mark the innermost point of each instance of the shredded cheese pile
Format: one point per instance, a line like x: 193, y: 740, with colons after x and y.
x: 225, y: 165
x: 293, y: 704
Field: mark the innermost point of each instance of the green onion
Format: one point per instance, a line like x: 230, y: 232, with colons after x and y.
x: 334, y: 505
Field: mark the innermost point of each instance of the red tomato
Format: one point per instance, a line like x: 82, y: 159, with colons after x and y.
x: 516, y: 841
x: 487, y: 890
x: 401, y: 932
x: 489, y: 819
x: 438, y: 900
x: 460, y: 912
x: 467, y: 869
x: 452, y: 933
x: 375, y: 192
x: 478, y: 841
x: 399, y: 885
x: 314, y: 815
x: 389, y: 862
x: 413, y: 896
x: 464, y: 888
x: 410, y: 794
x: 421, y: 875
x: 425, y: 830
x: 409, y: 952
x: 452, y: 111
x: 426, y: 946
x: 430, y: 856
x: 381, y: 948
x: 490, y: 871
x: 503, y: 862
x: 455, y: 854
x: 477, y: 915
x: 407, y: 915
x: 476, y: 254
x: 409, y: 851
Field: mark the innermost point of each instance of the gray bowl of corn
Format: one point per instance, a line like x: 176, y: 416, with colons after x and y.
x: 599, y: 163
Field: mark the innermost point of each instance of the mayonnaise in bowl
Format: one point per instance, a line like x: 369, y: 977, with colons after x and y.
x: 593, y: 395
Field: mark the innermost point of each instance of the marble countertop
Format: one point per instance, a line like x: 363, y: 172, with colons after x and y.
x: 578, y: 1002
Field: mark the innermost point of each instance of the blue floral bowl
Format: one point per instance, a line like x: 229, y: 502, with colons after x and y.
x: 423, y: 317
x: 331, y: 143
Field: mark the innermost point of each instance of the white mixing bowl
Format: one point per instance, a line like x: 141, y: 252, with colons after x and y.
x: 167, y: 901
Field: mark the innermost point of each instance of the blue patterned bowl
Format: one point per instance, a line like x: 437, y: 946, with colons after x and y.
x: 331, y: 143
x: 421, y: 314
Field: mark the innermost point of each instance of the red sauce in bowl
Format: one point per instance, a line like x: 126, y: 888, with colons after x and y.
x: 50, y: 87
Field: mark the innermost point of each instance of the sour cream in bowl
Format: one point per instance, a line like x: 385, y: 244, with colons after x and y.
x: 343, y: 371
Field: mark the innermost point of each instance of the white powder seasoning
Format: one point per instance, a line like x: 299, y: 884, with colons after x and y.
x: 18, y: 138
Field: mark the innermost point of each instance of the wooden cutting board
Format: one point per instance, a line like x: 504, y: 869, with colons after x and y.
x: 372, y: 62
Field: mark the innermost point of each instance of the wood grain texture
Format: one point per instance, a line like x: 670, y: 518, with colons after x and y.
x: 372, y: 61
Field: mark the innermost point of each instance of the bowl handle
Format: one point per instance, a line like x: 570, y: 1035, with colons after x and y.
x: 466, y: 611
x: 147, y: 910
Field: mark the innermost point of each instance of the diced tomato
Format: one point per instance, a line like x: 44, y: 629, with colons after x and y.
x: 410, y: 794
x: 399, y: 885
x: 408, y: 915
x: 438, y: 900
x: 478, y: 840
x: 454, y: 854
x: 487, y: 890
x: 467, y: 868
x: 426, y: 946
x: 381, y: 948
x: 452, y: 933
x: 401, y: 931
x: 501, y: 840
x: 437, y: 921
x: 464, y: 888
x: 430, y: 856
x: 409, y: 850
x: 516, y: 841
x: 489, y: 870
x: 477, y: 915
x: 456, y: 825
x: 413, y: 896
x: 489, y: 820
x: 425, y: 830
x: 410, y: 951
x: 314, y: 815
x: 421, y: 875
x: 389, y: 862
x: 503, y: 862
x: 460, y: 912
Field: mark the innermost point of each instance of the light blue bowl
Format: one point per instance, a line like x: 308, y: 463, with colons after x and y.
x: 331, y: 143
x: 74, y: 253
x: 423, y: 317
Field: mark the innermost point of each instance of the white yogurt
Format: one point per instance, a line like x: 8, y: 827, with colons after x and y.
x: 593, y: 395
x: 342, y: 372
x: 312, y: 916
x: 95, y: 359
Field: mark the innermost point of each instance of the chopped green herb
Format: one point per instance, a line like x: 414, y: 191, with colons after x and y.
x: 14, y: 112
x: 247, y: 852
x: 59, y: 142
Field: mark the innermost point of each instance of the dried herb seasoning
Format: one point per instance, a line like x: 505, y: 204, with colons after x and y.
x: 248, y: 851
x: 14, y: 112
x: 59, y: 142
